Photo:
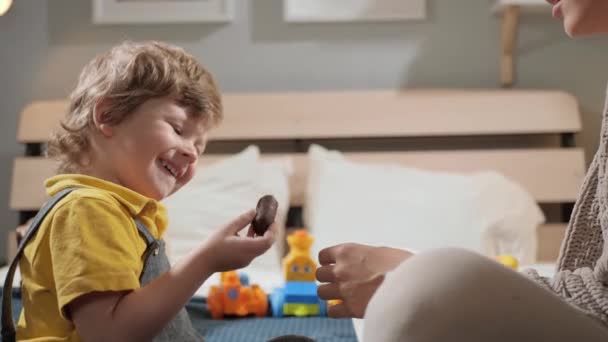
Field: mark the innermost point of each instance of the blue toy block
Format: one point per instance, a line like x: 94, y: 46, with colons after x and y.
x: 301, y: 292
x: 323, y: 308
x: 277, y: 299
x: 244, y: 278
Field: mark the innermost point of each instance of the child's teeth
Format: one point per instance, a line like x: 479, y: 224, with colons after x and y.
x: 173, y: 172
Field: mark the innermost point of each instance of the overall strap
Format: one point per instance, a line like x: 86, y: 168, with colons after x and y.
x: 8, y: 326
x: 145, y: 233
x: 152, y: 245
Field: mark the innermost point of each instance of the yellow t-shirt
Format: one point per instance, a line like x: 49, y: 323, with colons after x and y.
x: 88, y: 242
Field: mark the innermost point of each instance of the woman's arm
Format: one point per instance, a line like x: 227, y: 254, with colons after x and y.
x: 580, y: 287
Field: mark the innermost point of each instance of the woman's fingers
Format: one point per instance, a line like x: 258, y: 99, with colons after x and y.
x: 338, y: 311
x: 325, y: 274
x: 329, y: 291
x: 327, y: 255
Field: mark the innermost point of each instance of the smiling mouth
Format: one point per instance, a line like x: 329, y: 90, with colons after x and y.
x: 172, y: 171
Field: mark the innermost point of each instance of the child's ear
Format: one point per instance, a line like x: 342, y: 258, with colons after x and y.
x: 100, y: 118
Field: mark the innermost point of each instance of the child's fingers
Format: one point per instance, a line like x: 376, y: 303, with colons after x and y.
x: 250, y: 232
x: 272, y: 229
x: 256, y: 245
x: 271, y: 232
x: 239, y: 223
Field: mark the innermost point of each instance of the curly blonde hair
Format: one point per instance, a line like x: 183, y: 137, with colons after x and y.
x: 123, y: 78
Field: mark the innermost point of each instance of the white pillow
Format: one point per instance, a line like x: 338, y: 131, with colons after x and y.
x: 219, y: 193
x: 391, y: 205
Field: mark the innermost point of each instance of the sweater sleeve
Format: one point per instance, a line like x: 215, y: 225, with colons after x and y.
x: 580, y: 288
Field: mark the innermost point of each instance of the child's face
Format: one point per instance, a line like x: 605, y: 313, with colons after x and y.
x: 156, y: 149
x: 582, y: 17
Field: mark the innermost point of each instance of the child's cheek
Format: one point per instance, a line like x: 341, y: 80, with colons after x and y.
x: 189, y: 173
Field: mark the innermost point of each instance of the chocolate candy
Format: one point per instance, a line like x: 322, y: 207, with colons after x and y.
x: 266, y: 212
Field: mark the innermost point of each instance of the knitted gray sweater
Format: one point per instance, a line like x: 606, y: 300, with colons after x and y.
x: 582, y: 270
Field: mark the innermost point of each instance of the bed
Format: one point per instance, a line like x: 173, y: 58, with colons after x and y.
x: 523, y: 140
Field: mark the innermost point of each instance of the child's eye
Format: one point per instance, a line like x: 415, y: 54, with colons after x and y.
x: 177, y: 130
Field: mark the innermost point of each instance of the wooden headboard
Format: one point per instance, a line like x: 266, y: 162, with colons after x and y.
x: 526, y: 135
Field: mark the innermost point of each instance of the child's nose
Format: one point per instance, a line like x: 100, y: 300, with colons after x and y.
x: 189, y: 153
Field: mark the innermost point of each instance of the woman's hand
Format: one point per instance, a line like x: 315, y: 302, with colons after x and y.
x: 225, y: 250
x: 353, y: 273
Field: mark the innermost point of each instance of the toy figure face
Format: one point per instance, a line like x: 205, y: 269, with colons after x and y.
x: 300, y: 269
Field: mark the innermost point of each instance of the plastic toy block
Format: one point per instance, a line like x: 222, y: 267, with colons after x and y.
x: 508, y: 260
x: 232, y: 297
x: 299, y: 295
x: 301, y: 310
x: 301, y: 292
x: 298, y: 265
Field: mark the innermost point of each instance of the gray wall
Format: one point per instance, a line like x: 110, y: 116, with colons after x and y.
x: 45, y: 43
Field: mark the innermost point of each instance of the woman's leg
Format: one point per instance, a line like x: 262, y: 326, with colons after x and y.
x: 456, y: 295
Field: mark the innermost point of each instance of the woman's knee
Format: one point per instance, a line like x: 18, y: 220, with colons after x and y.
x: 443, y: 271
x: 421, y: 299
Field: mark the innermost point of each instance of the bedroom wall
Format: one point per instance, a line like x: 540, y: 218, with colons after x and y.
x: 45, y: 43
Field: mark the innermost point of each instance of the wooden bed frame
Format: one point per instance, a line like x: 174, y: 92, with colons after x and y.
x: 526, y: 135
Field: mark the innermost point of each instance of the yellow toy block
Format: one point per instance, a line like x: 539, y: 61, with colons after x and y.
x: 301, y: 310
x: 334, y: 302
x: 297, y: 264
x: 508, y: 260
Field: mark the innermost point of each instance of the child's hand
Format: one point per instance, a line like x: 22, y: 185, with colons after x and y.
x: 225, y: 250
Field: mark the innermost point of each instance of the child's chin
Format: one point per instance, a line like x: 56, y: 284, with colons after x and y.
x: 165, y: 195
x: 167, y: 192
x: 576, y: 28
x: 156, y: 193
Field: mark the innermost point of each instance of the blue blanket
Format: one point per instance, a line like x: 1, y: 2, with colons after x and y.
x: 256, y: 329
